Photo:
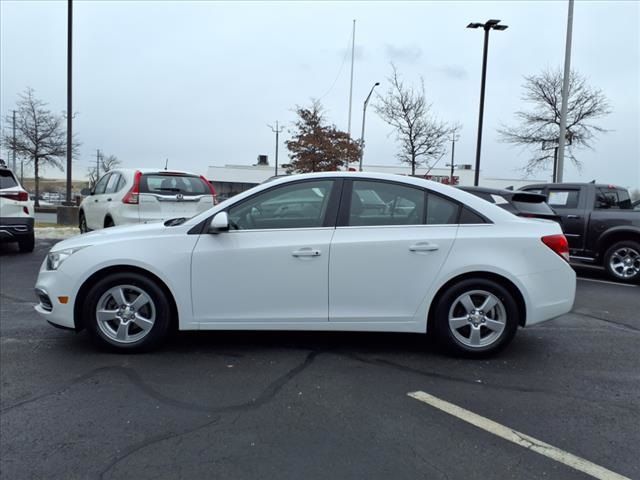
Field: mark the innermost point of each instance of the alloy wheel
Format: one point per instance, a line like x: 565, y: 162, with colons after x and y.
x: 625, y: 263
x: 125, y: 314
x: 477, y: 318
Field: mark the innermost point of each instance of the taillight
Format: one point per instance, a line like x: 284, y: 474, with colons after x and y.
x: 557, y: 243
x: 17, y: 196
x: 211, y: 189
x: 133, y: 195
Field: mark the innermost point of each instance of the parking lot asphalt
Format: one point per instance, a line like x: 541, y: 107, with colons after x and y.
x: 315, y: 405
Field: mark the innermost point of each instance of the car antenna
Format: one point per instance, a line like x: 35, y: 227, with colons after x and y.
x: 166, y: 164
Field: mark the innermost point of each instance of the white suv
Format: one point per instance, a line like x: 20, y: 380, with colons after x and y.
x: 16, y: 212
x: 126, y: 196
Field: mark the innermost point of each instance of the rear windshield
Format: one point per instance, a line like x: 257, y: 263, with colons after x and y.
x: 529, y: 207
x: 170, y: 184
x: 6, y: 179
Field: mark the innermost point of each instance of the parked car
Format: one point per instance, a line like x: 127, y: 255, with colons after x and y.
x: 523, y: 204
x: 600, y: 224
x: 126, y: 196
x: 16, y: 212
x: 636, y: 205
x: 452, y: 265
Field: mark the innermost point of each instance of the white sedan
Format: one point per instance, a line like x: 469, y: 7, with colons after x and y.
x: 315, y: 252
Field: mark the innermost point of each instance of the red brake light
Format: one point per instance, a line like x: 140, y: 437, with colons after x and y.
x: 133, y: 195
x: 211, y: 189
x: 17, y: 196
x: 557, y: 243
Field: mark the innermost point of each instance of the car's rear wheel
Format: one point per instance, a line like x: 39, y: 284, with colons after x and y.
x: 26, y: 245
x: 476, y: 318
x: 82, y: 223
x: 127, y: 312
x: 622, y: 261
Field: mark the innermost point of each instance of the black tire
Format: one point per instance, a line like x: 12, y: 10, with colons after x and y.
x: 627, y: 272
x: 26, y: 245
x: 82, y: 222
x: 506, y: 311
x: 161, y: 308
x: 108, y: 222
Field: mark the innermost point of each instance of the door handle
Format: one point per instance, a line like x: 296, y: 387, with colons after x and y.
x: 96, y: 200
x: 306, y: 252
x: 423, y: 247
x: 575, y: 217
x: 108, y: 199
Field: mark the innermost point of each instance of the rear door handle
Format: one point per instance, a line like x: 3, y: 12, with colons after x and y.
x: 96, y: 200
x: 306, y: 252
x: 423, y: 247
x: 575, y: 217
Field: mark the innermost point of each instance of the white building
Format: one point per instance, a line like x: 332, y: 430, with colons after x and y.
x: 229, y: 180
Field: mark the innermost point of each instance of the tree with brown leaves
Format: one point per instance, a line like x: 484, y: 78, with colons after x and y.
x: 318, y: 147
x: 539, y: 128
x: 420, y: 135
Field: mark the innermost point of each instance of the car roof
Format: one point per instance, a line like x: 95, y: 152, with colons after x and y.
x: 152, y: 170
x: 572, y: 185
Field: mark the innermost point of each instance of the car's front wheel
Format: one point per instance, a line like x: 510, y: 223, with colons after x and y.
x: 82, y: 222
x: 127, y: 312
x: 476, y: 318
x: 622, y: 261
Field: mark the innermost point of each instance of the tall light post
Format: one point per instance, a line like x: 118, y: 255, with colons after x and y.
x: 565, y: 96
x: 364, y: 115
x: 277, y: 132
x: 454, y: 139
x: 69, y: 92
x: 488, y: 25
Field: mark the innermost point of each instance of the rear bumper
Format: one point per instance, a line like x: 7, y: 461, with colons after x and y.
x: 13, y: 229
x: 550, y: 293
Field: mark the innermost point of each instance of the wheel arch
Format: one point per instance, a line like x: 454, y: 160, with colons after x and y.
x: 100, y: 274
x: 614, y: 235
x: 108, y: 216
x: 501, y: 280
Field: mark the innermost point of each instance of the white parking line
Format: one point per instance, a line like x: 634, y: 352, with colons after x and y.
x: 518, y: 438
x: 606, y: 281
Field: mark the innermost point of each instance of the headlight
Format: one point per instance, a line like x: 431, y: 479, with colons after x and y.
x: 55, y: 259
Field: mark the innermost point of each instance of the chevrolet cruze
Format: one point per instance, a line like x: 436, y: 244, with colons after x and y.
x: 334, y: 251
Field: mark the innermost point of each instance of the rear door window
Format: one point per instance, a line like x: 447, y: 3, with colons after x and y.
x: 441, y: 211
x: 385, y: 203
x: 563, y: 198
x: 170, y: 184
x: 612, y: 198
x: 7, y: 179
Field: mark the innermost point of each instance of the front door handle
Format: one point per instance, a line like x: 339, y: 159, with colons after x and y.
x: 306, y: 252
x: 575, y: 217
x: 96, y: 200
x: 108, y: 199
x: 423, y: 247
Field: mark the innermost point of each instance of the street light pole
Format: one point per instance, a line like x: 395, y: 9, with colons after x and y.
x: 364, y: 115
x: 565, y: 95
x: 277, y: 132
x: 488, y: 25
x: 69, y: 99
x: 14, y: 142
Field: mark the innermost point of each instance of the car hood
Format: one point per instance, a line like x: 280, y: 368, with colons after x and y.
x: 116, y: 234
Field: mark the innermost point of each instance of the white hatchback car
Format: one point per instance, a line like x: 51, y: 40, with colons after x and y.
x: 16, y: 212
x: 125, y: 196
x: 313, y: 252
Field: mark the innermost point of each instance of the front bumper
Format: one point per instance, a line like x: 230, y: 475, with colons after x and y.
x: 13, y: 229
x: 53, y: 285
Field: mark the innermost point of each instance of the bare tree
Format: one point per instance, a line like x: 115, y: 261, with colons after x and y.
x: 316, y: 146
x: 539, y: 128
x: 420, y: 135
x: 40, y: 136
x: 107, y: 164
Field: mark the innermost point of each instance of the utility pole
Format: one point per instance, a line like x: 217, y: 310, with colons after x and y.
x: 98, y: 156
x: 565, y: 93
x: 364, y: 116
x: 14, y: 141
x: 277, y: 132
x: 69, y: 100
x: 353, y: 49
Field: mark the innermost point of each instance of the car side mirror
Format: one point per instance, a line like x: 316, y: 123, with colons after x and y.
x: 85, y: 192
x: 219, y: 223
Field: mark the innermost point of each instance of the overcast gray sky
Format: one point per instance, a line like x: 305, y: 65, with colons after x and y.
x: 197, y: 82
